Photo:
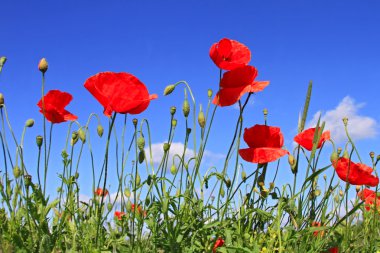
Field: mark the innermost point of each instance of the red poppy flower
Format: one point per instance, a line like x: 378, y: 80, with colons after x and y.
x: 236, y: 83
x: 101, y: 192
x: 219, y: 243
x: 229, y: 54
x: 317, y: 224
x: 119, y: 92
x: 305, y: 138
x: 355, y: 173
x: 369, y: 197
x: 55, y: 102
x: 334, y: 250
x: 119, y: 214
x: 265, y: 144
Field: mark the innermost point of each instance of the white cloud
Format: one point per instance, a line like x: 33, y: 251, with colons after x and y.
x: 359, y: 126
x: 177, y: 148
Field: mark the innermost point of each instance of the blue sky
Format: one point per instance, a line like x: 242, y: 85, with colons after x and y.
x: 333, y: 43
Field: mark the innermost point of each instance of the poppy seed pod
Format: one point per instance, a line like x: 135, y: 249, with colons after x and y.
x: 372, y: 154
x: 174, y: 122
x: 43, y: 65
x: 1, y: 100
x: 228, y: 182
x: 134, y: 121
x: 173, y: 109
x: 28, y: 180
x: 201, y: 119
x: 29, y: 123
x: 166, y: 147
x: 39, y: 140
x: 169, y: 89
x: 339, y: 150
x: 100, y: 130
x: 209, y: 93
x: 345, y: 121
x: 141, y: 143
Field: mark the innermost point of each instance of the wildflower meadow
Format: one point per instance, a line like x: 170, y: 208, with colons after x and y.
x: 182, y: 203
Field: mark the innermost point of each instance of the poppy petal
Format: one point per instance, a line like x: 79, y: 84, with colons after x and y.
x: 262, y: 155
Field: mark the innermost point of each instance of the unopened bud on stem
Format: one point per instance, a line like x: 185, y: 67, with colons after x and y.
x: 43, y: 65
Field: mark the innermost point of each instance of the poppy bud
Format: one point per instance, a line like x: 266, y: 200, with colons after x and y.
x: 109, y: 207
x: 265, y: 111
x: 291, y: 160
x: 100, y: 130
x: 209, y: 93
x: 222, y: 193
x: 138, y: 179
x: 169, y: 89
x: 339, y: 150
x: 74, y: 138
x: 166, y: 147
x: 271, y: 186
x: 264, y: 193
x: 334, y: 157
x: 341, y: 193
x: 228, y: 182
x: 149, y: 180
x: 377, y: 158
x: 129, y: 206
x: 43, y: 65
x: 317, y: 193
x: 17, y: 172
x: 141, y: 156
x: 127, y: 193
x: 324, y: 177
x: 39, y: 140
x: 173, y: 169
x: 1, y: 100
x: 82, y: 135
x: 28, y: 180
x: 147, y: 200
x: 141, y: 143
x: 357, y: 188
x: 134, y: 121
x: 372, y: 154
x: 345, y: 154
x: 29, y: 123
x: 243, y: 175
x: 173, y: 109
x: 201, y: 119
x: 3, y: 59
x: 188, y: 131
x: 174, y: 122
x: 186, y: 108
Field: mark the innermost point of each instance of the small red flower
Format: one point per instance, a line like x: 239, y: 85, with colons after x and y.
x: 55, y: 102
x: 229, y: 54
x: 265, y: 144
x: 219, y: 243
x: 101, y: 192
x: 236, y: 83
x: 119, y: 92
x: 334, y: 250
x: 119, y: 214
x: 305, y: 138
x: 369, y: 197
x: 317, y: 224
x: 355, y: 173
